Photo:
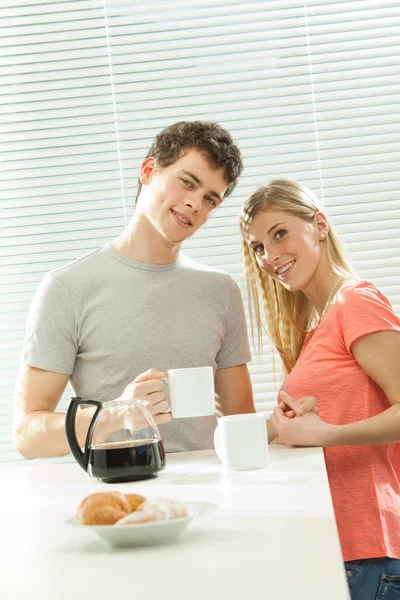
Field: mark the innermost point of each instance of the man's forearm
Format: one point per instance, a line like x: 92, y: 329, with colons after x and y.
x: 383, y: 428
x: 41, y: 434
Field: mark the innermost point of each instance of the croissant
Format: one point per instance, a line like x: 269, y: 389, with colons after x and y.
x: 135, y: 500
x: 103, y: 508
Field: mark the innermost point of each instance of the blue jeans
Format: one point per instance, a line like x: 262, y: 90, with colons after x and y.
x: 374, y: 578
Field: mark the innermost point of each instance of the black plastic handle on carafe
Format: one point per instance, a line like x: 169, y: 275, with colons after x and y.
x: 81, y: 457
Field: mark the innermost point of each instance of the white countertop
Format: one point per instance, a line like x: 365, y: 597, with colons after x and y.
x: 273, y: 535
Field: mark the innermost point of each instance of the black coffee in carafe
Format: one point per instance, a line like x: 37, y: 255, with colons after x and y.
x: 122, y: 442
x: 132, y: 460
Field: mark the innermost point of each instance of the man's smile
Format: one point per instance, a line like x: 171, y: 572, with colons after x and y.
x: 182, y: 219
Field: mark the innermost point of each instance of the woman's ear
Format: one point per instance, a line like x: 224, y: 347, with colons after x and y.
x: 146, y: 170
x: 321, y: 225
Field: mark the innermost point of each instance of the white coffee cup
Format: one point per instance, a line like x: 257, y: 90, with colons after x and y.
x: 191, y: 392
x: 241, y: 442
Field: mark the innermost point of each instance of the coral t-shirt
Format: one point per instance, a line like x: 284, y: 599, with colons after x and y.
x: 364, y: 480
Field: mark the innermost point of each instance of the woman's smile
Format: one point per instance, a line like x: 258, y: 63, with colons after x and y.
x: 285, y: 271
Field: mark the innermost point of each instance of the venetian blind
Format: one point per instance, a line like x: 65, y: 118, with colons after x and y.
x: 309, y: 92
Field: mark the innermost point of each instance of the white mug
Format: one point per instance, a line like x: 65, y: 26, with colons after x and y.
x: 191, y: 392
x: 241, y: 442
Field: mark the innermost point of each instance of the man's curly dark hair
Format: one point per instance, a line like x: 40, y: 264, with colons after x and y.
x: 210, y: 139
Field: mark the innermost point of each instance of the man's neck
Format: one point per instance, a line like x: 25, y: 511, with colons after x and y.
x: 140, y: 242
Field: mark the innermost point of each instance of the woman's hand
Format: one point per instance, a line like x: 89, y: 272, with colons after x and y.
x: 297, y: 408
x: 291, y: 408
x: 307, y: 429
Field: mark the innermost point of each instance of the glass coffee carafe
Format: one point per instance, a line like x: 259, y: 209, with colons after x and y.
x: 122, y: 443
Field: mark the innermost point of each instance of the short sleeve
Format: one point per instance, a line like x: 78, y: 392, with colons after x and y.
x: 51, y: 328
x: 362, y: 310
x: 235, y: 347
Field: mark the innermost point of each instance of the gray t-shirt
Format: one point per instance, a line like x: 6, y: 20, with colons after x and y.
x: 104, y: 319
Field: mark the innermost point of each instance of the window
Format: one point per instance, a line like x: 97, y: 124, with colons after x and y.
x: 309, y: 92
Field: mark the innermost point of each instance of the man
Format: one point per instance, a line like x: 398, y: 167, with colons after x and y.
x: 101, y: 321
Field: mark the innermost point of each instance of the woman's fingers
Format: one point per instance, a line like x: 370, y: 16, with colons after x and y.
x: 292, y: 407
x: 277, y: 417
x: 291, y: 403
x: 308, y: 403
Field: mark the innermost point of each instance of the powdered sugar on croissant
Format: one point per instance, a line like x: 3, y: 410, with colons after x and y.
x: 170, y: 508
x: 158, y: 509
x: 138, y: 518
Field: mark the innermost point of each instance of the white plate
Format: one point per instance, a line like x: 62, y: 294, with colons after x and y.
x: 147, y: 533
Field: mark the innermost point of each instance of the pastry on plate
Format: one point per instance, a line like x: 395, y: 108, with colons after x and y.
x: 103, y: 508
x: 158, y: 509
x: 109, y: 508
x: 135, y: 500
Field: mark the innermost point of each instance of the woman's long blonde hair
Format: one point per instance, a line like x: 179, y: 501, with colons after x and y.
x: 287, y: 317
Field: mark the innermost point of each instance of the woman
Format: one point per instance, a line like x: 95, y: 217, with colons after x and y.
x: 339, y: 340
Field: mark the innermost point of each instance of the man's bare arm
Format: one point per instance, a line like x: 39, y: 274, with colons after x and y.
x: 39, y: 431
x: 233, y: 391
